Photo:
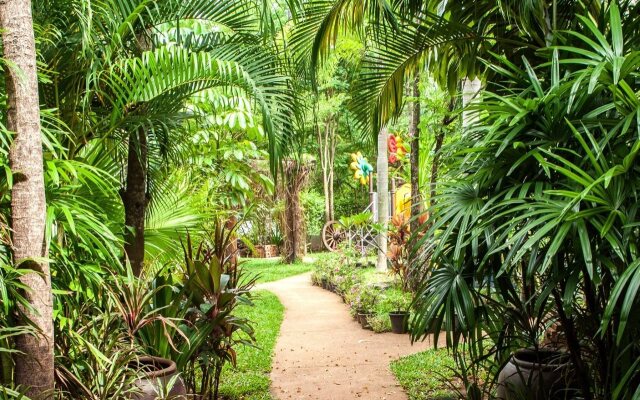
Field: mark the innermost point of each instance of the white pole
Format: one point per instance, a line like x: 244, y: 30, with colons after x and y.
x: 383, y: 198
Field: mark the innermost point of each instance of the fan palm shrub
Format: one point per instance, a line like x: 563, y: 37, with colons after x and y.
x: 537, y: 224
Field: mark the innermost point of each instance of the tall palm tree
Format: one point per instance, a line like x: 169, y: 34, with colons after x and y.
x: 449, y: 37
x: 28, y: 206
x: 137, y: 80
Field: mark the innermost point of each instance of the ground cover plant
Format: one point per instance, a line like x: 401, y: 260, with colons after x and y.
x: 269, y: 270
x: 427, y: 375
x: 250, y: 378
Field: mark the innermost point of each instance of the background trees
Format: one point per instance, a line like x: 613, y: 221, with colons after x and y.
x: 142, y: 106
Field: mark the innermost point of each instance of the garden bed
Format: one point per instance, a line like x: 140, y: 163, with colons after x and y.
x: 371, y: 295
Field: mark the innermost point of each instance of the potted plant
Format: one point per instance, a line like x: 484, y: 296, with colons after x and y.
x: 538, y: 373
x: 158, y: 375
x: 399, y: 315
x: 137, y: 300
x: 542, y: 219
x: 364, y: 303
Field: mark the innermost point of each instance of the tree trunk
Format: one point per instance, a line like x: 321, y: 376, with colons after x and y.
x: 294, y: 220
x: 327, y: 150
x: 295, y: 177
x: 332, y: 158
x: 446, y: 121
x: 434, y: 167
x: 414, y: 135
x: 34, y: 369
x: 383, y: 198
x: 135, y: 200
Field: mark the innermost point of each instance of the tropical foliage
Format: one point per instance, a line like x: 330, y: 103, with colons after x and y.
x: 153, y: 115
x: 536, y: 224
x: 171, y: 128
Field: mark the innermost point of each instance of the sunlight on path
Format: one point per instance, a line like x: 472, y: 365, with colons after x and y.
x: 322, y: 353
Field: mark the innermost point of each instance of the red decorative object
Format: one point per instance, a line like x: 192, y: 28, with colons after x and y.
x: 392, y: 144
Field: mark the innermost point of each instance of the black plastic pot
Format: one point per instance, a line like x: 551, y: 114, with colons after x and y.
x: 363, y: 318
x: 537, y: 375
x: 324, y: 282
x: 157, y: 371
x: 399, y: 321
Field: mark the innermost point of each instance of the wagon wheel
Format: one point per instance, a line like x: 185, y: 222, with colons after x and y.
x: 333, y: 233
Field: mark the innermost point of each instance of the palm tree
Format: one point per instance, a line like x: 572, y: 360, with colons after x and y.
x: 137, y: 82
x: 28, y: 207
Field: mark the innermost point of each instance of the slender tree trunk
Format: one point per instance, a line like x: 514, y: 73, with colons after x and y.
x: 34, y: 369
x: 414, y: 135
x: 331, y: 164
x: 446, y: 121
x: 383, y: 198
x: 327, y: 150
x: 135, y: 200
x: 434, y: 167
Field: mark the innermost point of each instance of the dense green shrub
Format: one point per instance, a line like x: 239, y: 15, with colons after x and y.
x: 537, y: 225
x: 313, y: 208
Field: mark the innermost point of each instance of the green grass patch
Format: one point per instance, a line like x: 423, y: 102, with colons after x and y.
x: 371, y: 275
x: 250, y: 380
x: 273, y: 269
x: 426, y: 375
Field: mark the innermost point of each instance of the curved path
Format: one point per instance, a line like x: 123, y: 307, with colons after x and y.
x: 322, y: 353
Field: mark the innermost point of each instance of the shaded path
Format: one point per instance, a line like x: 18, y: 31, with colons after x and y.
x: 322, y: 353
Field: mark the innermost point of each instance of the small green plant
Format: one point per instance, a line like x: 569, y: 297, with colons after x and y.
x: 276, y: 238
x: 395, y: 300
x: 379, y: 323
x: 364, y: 298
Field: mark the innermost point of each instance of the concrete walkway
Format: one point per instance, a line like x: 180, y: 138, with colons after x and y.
x: 322, y: 353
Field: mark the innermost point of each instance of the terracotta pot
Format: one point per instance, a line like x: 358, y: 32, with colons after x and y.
x: 158, y: 372
x: 399, y: 321
x: 536, y: 375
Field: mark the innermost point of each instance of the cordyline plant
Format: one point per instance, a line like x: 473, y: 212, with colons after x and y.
x: 214, y: 286
x: 398, y: 249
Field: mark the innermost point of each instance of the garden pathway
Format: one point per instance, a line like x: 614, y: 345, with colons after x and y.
x: 322, y: 353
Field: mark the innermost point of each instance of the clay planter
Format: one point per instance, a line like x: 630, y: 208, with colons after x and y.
x: 399, y: 321
x: 157, y: 371
x: 266, y: 251
x: 536, y: 375
x: 363, y: 319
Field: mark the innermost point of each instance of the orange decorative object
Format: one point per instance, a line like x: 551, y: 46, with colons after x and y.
x: 403, y: 201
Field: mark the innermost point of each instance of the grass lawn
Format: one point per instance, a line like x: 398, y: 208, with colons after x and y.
x: 273, y: 269
x: 250, y: 381
x: 425, y: 375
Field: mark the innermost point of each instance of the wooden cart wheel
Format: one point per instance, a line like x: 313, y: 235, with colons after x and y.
x: 332, y: 234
